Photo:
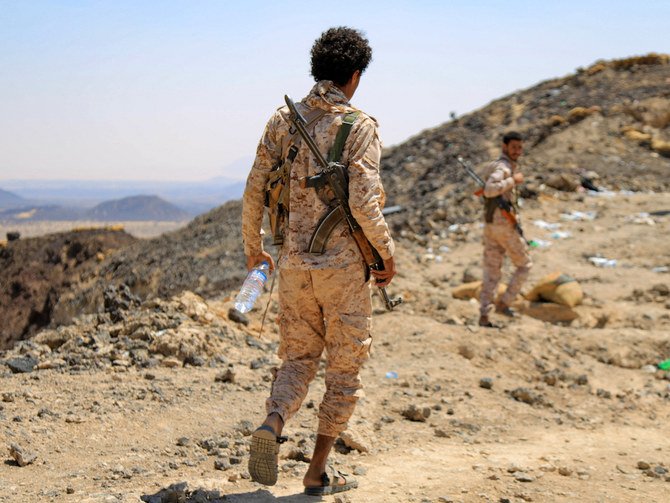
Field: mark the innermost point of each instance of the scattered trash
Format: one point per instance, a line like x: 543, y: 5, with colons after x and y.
x: 664, y: 365
x: 660, y: 268
x: 539, y: 243
x: 391, y: 374
x: 603, y: 262
x: 640, y: 218
x: 560, y: 235
x: 579, y: 216
x: 546, y: 225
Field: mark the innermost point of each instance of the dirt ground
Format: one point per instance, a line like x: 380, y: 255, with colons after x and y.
x: 569, y: 412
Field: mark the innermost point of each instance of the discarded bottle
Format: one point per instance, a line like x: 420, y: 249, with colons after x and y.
x: 252, y: 287
x: 664, y: 365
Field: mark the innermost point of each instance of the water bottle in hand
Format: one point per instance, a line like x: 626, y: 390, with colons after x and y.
x: 252, y: 287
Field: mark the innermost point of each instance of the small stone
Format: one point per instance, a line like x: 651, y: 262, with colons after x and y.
x: 227, y: 375
x: 643, y: 465
x: 526, y: 396
x: 183, y: 441
x: 565, y: 471
x: 523, y: 477
x: 486, y: 383
x: 21, y: 456
x: 171, y: 362
x: 245, y: 427
x: 360, y: 471
x: 237, y: 317
x: 21, y: 365
x: 222, y: 464
x: 69, y: 490
x: 354, y: 440
x: 413, y: 413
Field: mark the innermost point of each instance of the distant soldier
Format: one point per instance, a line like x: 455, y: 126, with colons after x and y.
x: 324, y: 299
x: 501, y: 236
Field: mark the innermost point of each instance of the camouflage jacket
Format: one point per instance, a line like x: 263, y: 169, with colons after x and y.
x: 361, y: 155
x: 499, y: 182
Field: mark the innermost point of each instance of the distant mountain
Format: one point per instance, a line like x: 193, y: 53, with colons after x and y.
x: 196, y: 197
x: 10, y: 200
x: 137, y: 208
x: 41, y: 213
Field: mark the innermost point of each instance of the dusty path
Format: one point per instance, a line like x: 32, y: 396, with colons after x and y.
x: 586, y: 411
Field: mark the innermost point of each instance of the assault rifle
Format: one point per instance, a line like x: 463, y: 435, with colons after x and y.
x: 504, y: 205
x: 334, y: 176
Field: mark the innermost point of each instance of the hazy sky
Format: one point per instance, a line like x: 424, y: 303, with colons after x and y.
x: 131, y: 89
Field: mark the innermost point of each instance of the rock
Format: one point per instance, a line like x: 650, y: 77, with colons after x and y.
x: 486, y: 383
x: 227, y: 375
x: 523, y: 477
x: 565, y: 471
x: 470, y: 275
x: 245, y: 427
x: 643, y: 465
x: 13, y: 236
x: 413, y: 413
x: 466, y: 351
x: 118, y: 300
x: 24, y: 364
x: 222, y: 464
x: 526, y: 396
x: 21, y: 456
x: 354, y: 440
x: 237, y: 317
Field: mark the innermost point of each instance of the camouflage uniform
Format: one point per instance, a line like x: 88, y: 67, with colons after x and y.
x: 324, y: 299
x: 501, y: 237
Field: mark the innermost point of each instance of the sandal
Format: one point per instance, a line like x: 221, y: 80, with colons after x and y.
x: 264, y: 455
x: 335, y: 482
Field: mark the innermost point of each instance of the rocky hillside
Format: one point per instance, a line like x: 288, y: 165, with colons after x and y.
x: 151, y: 208
x: 38, y: 275
x: 610, y: 122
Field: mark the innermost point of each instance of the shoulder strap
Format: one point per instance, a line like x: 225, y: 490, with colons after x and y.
x: 336, y: 150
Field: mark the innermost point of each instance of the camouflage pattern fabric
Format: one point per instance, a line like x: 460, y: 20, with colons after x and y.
x: 361, y: 155
x: 324, y: 299
x: 322, y: 309
x: 501, y: 238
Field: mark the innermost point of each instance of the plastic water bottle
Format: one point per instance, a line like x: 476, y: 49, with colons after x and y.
x: 252, y: 287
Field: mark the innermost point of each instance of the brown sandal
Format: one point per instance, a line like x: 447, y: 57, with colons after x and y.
x: 333, y: 481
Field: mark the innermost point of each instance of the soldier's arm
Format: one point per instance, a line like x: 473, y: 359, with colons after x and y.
x: 254, y: 193
x: 498, y: 182
x: 366, y: 193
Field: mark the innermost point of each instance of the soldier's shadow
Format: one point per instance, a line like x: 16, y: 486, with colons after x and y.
x: 262, y: 496
x: 200, y: 495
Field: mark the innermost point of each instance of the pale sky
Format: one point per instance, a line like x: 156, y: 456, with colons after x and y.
x: 178, y: 90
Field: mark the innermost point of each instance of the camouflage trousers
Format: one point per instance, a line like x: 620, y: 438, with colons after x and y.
x: 322, y: 309
x: 501, y: 239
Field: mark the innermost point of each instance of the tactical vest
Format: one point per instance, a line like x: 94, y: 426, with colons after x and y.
x: 278, y: 187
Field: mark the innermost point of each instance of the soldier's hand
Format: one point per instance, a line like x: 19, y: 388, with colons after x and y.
x: 254, y: 260
x: 383, y: 278
x: 518, y: 177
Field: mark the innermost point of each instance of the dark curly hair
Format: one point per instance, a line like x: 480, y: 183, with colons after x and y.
x: 338, y: 53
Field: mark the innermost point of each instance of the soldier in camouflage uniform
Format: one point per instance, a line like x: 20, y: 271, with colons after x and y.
x: 500, y: 236
x: 324, y: 299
